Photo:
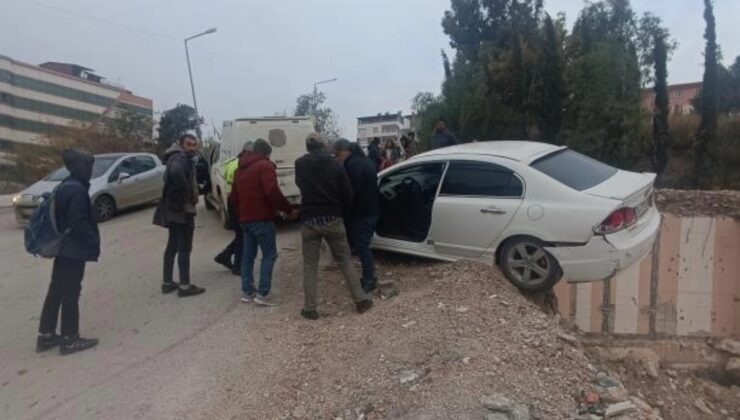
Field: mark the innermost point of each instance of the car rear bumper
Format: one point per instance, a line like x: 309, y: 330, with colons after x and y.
x: 605, y: 255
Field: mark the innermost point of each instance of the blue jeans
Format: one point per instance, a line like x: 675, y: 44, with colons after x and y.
x: 360, y: 233
x: 262, y: 235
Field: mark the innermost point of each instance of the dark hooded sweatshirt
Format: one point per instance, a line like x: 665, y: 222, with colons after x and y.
x: 180, y: 193
x: 74, y: 209
x: 325, y: 188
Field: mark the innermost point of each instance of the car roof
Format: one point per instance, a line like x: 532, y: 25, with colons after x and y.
x: 520, y: 151
x: 118, y: 155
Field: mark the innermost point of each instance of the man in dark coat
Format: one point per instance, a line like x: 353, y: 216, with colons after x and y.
x: 442, y: 137
x: 326, y: 196
x: 362, y: 216
x: 258, y: 202
x: 176, y: 212
x: 74, y: 214
x: 373, y: 153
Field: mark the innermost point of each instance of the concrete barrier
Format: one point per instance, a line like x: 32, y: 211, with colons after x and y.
x: 688, y: 286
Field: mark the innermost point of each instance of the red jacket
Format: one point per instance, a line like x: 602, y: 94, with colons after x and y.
x: 255, y: 191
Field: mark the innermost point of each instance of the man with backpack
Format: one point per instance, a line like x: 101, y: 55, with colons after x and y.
x: 176, y: 212
x: 80, y: 243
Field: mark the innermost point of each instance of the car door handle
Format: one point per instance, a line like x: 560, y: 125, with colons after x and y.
x: 492, y: 210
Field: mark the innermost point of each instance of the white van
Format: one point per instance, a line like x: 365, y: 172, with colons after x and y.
x: 286, y: 135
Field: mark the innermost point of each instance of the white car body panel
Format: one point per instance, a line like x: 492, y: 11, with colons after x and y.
x: 547, y: 212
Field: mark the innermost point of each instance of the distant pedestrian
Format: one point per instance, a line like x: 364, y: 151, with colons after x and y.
x: 373, y: 153
x: 411, y: 147
x: 442, y: 137
x: 326, y: 196
x: 231, y: 256
x: 362, y: 216
x: 391, y: 154
x: 176, y: 212
x: 258, y: 201
x: 73, y: 212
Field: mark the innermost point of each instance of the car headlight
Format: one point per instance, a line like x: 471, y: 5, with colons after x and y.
x: 16, y: 198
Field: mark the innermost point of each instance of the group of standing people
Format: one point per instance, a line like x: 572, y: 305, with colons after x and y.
x: 339, y: 205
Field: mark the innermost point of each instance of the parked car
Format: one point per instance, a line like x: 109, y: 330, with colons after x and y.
x: 537, y: 210
x: 119, y: 180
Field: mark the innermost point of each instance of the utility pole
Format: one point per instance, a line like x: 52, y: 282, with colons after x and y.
x: 190, y: 73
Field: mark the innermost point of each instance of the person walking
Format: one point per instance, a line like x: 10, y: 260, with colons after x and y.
x: 411, y: 146
x: 373, y: 153
x: 231, y: 256
x: 74, y: 214
x: 258, y: 201
x: 176, y: 212
x: 326, y: 196
x: 391, y: 154
x: 442, y: 137
x: 364, y: 209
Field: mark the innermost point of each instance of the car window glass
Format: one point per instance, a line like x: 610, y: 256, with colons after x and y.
x: 480, y: 179
x: 144, y: 164
x: 100, y: 166
x: 575, y: 170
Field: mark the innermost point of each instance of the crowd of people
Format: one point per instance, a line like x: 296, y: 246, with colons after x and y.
x: 339, y: 205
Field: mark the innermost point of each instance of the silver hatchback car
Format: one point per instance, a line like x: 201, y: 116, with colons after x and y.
x: 119, y: 181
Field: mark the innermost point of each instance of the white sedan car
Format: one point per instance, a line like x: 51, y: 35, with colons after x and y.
x: 537, y: 210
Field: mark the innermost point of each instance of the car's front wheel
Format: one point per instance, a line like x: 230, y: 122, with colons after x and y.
x: 528, y: 266
x: 105, y: 208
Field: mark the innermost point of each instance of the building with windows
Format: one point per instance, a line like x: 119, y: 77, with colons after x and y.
x: 37, y: 100
x: 383, y: 126
x: 680, y: 98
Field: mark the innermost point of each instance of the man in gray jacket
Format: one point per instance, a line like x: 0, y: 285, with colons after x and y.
x: 176, y: 212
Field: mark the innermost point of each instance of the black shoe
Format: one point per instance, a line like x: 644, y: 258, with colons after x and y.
x: 236, y: 272
x: 168, y: 287
x: 364, y: 306
x: 47, y: 342
x: 224, y: 260
x: 190, y: 291
x: 74, y: 344
x: 370, y: 287
x: 310, y: 314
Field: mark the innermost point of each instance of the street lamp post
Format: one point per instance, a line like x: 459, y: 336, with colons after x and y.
x: 314, y: 103
x: 190, y: 73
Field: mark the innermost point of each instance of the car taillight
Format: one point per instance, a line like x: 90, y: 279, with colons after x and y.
x: 620, y: 219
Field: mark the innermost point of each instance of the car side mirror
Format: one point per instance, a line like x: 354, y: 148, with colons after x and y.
x: 123, y: 176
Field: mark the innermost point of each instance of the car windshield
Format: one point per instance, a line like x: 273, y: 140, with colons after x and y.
x: 575, y: 170
x: 100, y: 166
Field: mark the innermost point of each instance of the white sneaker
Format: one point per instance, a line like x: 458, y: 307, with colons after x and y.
x: 266, y: 300
x: 247, y: 298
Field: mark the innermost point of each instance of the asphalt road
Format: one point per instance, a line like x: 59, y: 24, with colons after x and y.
x: 159, y: 356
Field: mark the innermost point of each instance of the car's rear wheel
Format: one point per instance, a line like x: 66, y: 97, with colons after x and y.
x: 528, y: 266
x: 105, y: 208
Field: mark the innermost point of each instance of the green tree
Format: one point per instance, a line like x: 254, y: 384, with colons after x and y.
x: 325, y: 119
x: 174, y: 123
x: 706, y: 135
x: 602, y: 113
x: 655, y: 49
x: 132, y: 125
x: 553, y: 84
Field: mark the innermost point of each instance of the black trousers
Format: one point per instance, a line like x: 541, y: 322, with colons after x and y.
x: 180, y: 244
x: 235, y: 248
x: 64, y: 292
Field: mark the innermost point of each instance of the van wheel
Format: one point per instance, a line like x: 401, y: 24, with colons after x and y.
x: 528, y: 266
x: 223, y: 212
x: 105, y: 208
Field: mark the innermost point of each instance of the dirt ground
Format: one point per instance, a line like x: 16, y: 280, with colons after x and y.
x: 699, y: 203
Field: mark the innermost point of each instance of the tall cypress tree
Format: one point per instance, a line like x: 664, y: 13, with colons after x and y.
x: 660, y: 115
x: 553, y: 85
x: 707, y: 132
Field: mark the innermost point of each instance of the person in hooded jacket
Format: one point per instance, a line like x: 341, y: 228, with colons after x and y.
x: 373, y: 153
x: 363, y: 213
x: 326, y: 197
x: 74, y: 213
x: 176, y: 212
x: 258, y: 202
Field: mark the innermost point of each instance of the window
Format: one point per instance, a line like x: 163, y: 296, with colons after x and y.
x: 100, y: 166
x: 133, y: 166
x: 375, y: 129
x: 677, y: 94
x: 390, y: 129
x: 479, y: 179
x: 406, y: 201
x: 573, y: 169
x: 144, y: 164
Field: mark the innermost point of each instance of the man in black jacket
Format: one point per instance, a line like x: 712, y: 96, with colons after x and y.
x: 176, y: 212
x: 326, y: 196
x: 74, y: 214
x: 362, y: 217
x: 442, y: 137
x: 373, y: 153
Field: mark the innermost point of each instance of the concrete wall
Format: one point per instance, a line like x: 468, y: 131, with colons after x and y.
x: 688, y: 286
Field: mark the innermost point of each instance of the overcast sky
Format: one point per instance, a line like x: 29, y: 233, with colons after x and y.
x: 266, y: 53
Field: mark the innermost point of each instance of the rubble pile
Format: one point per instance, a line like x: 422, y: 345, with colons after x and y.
x: 699, y: 203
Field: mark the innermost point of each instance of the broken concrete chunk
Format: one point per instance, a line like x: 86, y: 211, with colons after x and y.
x: 733, y: 368
x: 568, y: 338
x: 500, y: 404
x: 701, y: 405
x: 728, y: 345
x: 619, y: 409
